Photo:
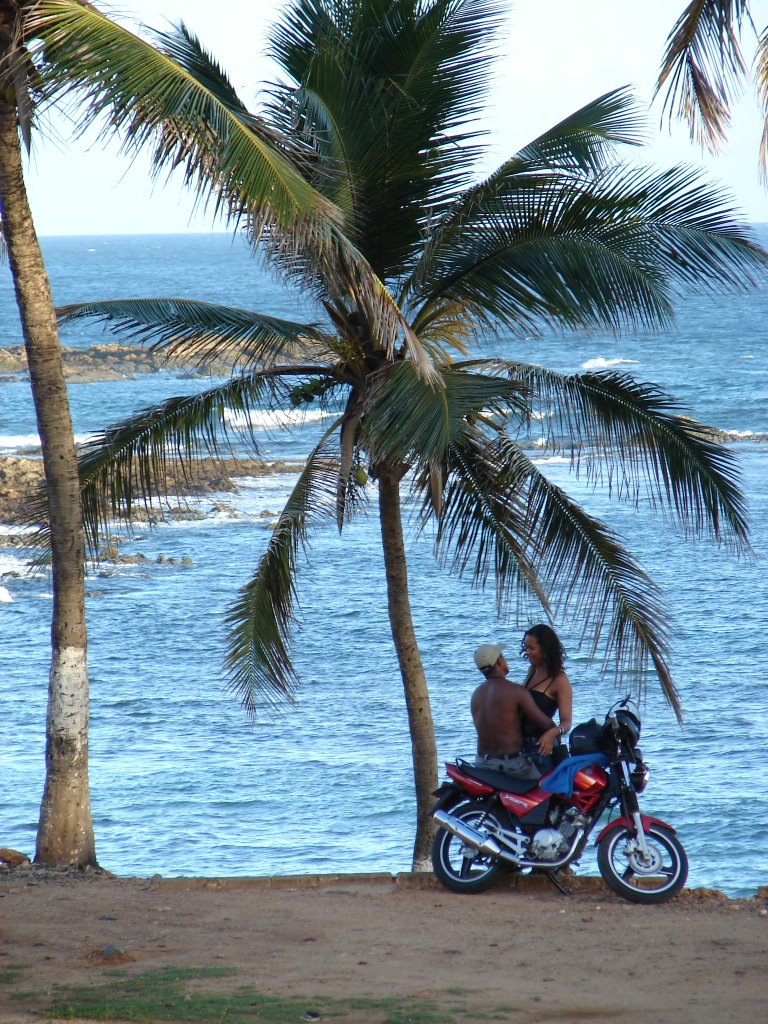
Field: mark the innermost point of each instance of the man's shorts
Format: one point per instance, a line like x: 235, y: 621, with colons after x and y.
x: 519, y: 765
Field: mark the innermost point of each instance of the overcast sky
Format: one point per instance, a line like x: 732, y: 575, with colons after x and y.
x: 557, y: 56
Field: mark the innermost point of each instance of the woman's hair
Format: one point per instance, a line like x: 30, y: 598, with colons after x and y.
x: 554, y: 652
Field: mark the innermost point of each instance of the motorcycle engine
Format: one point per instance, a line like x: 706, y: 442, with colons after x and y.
x: 547, y: 844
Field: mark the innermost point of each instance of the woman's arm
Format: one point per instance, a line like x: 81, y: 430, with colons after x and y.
x: 564, y: 695
x: 561, y: 689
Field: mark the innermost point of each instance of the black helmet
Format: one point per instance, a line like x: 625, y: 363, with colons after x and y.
x: 587, y: 738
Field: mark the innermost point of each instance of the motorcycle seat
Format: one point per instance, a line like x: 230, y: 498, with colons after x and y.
x: 497, y: 779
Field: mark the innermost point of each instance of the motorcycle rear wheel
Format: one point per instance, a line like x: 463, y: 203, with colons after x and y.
x: 653, y: 880
x: 462, y: 868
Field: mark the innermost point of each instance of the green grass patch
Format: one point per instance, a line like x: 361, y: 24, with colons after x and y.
x: 177, y: 995
x: 11, y: 974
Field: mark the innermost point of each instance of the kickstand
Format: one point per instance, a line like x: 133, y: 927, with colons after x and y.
x: 552, y: 876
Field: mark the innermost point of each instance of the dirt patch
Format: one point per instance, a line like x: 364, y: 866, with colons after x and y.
x: 523, y: 946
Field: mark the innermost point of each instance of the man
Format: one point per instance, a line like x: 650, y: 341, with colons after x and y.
x: 497, y: 705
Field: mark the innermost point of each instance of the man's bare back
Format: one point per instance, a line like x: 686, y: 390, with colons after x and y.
x: 497, y: 705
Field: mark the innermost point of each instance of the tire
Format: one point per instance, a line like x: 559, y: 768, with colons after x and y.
x: 623, y: 870
x: 459, y: 867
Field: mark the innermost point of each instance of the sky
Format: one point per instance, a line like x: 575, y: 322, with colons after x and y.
x: 556, y: 56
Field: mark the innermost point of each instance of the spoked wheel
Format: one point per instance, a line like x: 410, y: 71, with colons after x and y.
x: 461, y: 867
x: 643, y: 879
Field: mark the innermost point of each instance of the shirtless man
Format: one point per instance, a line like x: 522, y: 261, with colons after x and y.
x: 497, y: 705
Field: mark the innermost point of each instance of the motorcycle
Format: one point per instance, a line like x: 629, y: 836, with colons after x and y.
x: 490, y: 821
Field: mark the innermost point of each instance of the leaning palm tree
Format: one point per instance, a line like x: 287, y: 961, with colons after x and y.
x: 65, y: 831
x: 704, y: 68
x: 377, y: 114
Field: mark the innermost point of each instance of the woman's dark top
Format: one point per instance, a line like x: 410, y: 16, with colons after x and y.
x: 546, y: 704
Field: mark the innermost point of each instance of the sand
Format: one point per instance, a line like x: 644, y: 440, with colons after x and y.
x: 521, y: 952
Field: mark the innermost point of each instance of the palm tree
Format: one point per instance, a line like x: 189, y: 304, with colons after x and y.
x: 704, y: 67
x: 376, y: 115
x: 65, y: 832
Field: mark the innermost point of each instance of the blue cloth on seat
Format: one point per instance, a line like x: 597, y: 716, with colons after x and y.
x: 560, y: 779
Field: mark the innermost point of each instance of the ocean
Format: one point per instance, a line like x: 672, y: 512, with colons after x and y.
x: 183, y: 783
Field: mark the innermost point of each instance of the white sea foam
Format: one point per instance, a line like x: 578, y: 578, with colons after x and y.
x: 15, y: 530
x: 275, y: 419
x: 12, y: 564
x: 553, y: 460
x: 10, y: 443
x: 5, y: 595
x: 600, y: 363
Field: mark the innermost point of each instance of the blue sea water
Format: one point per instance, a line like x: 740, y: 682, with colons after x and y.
x: 183, y: 783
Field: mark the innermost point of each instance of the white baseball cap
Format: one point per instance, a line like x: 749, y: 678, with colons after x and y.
x: 487, y: 655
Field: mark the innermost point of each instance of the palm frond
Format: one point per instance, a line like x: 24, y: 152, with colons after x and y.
x: 131, y: 462
x: 446, y: 330
x: 361, y: 295
x: 416, y: 68
x: 176, y: 95
x: 20, y: 76
x: 581, y: 144
x: 761, y: 77
x: 502, y: 517
x: 262, y: 620
x: 191, y: 113
x: 586, y: 140
x: 348, y: 441
x: 595, y: 583
x: 610, y: 252
x: 204, y: 331
x: 481, y: 521
x: 407, y: 421
x: 632, y: 437
x: 703, y: 68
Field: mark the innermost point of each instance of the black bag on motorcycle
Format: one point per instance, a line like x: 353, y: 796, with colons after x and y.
x: 588, y: 738
x: 559, y: 753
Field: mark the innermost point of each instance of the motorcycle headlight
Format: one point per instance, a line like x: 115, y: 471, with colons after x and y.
x: 639, y: 776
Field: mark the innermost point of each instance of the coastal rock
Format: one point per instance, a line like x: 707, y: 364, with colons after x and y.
x: 21, y: 479
x: 106, y: 362
x: 12, y: 858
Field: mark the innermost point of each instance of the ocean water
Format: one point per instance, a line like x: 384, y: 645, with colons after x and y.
x: 183, y: 783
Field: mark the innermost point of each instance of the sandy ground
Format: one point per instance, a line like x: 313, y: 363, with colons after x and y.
x: 522, y: 946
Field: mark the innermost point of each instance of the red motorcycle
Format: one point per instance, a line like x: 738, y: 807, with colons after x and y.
x: 490, y: 821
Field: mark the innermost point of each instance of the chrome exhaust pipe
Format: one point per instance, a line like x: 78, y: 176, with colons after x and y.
x: 485, y: 844
x: 482, y: 843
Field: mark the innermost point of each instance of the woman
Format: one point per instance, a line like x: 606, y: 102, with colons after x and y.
x: 551, y: 690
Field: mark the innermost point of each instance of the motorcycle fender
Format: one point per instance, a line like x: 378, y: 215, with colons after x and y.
x: 626, y: 823
x: 446, y: 794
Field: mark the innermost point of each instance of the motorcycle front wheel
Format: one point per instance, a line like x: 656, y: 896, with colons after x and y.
x: 654, y: 878
x: 461, y: 867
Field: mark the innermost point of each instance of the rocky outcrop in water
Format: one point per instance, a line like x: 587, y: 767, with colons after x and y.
x: 103, y: 362
x: 21, y: 478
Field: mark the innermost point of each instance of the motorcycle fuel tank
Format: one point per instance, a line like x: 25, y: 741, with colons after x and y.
x: 590, y: 779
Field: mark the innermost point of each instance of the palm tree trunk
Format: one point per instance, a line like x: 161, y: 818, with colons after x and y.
x: 411, y: 669
x: 65, y: 831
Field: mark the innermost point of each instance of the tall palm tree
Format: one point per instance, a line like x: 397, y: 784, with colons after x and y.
x: 377, y: 114
x: 65, y: 832
x: 704, y: 68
